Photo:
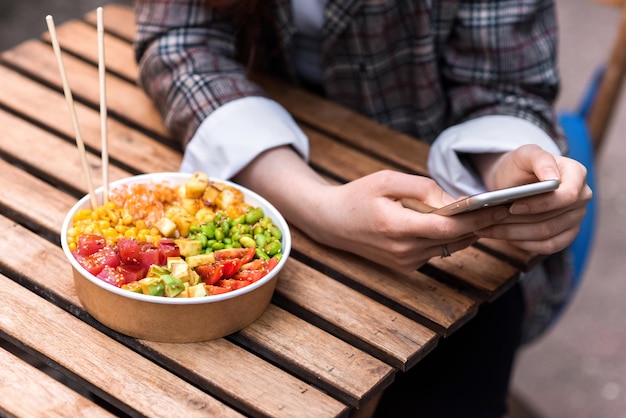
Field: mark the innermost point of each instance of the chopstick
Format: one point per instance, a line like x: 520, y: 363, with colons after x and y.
x: 103, y: 106
x: 70, y: 104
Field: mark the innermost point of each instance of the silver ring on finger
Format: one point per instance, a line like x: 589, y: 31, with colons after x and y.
x: 445, y: 252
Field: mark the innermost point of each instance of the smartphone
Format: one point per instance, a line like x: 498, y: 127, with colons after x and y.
x: 497, y: 197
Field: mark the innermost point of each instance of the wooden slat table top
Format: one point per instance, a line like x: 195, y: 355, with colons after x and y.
x: 54, y: 399
x: 339, y: 327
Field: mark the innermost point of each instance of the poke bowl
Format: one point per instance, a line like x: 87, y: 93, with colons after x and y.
x: 175, y: 257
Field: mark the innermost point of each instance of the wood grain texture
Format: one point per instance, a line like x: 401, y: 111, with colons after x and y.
x: 110, y: 369
x: 51, y: 399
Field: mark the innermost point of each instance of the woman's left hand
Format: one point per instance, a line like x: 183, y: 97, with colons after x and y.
x: 545, y: 223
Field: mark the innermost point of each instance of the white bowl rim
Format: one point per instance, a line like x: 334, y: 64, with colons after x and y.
x: 177, y: 178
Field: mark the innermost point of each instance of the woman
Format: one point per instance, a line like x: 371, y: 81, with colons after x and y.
x: 475, y: 79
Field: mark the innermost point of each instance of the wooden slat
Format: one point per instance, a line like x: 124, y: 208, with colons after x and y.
x: 122, y: 377
x: 364, y: 323
x: 217, y: 366
x: 418, y: 296
x: 351, y: 127
x: 256, y: 386
x: 31, y: 145
x: 485, y: 275
x: 337, y: 158
x: 52, y: 398
x: 118, y: 19
x: 119, y: 57
x: 37, y: 102
x: 128, y: 102
x: 16, y: 200
x: 330, y: 363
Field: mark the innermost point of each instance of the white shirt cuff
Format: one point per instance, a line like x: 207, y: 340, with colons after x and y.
x: 486, y: 134
x: 239, y: 131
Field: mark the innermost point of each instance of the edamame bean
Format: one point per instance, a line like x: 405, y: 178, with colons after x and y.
x: 261, y: 254
x: 209, y: 230
x: 254, y: 215
x: 273, y: 248
x: 275, y: 231
x: 261, y: 240
x: 225, y: 225
x: 247, y: 241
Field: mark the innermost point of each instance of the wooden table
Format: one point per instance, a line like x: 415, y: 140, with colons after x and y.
x: 338, y: 329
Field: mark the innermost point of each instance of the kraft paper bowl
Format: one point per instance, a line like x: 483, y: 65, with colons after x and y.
x: 176, y: 320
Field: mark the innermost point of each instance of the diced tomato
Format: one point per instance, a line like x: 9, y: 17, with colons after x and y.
x: 209, y: 273
x: 230, y: 267
x: 112, y: 275
x: 271, y: 263
x: 168, y: 248
x: 250, y: 276
x: 132, y: 272
x: 215, y: 290
x: 129, y: 250
x: 89, y: 244
x: 244, y: 254
x: 95, y: 262
x: 232, y: 284
x: 254, y: 270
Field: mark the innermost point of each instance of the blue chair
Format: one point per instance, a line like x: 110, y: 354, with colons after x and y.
x: 586, y: 129
x: 581, y: 149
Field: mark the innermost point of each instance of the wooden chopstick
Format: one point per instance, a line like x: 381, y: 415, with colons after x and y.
x: 103, y: 106
x: 70, y: 104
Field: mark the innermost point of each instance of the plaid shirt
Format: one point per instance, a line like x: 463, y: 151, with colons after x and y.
x: 416, y: 66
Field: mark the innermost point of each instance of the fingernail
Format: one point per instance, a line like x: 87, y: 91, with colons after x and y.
x: 501, y: 214
x: 519, y: 209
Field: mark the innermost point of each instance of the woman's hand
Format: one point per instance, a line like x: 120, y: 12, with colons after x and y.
x: 365, y: 216
x: 545, y: 223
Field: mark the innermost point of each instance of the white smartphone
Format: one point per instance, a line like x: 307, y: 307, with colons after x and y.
x: 497, y: 197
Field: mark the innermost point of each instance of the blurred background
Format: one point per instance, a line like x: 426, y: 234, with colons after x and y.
x: 578, y: 369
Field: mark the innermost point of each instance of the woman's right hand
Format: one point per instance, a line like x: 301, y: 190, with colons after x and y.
x: 365, y: 216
